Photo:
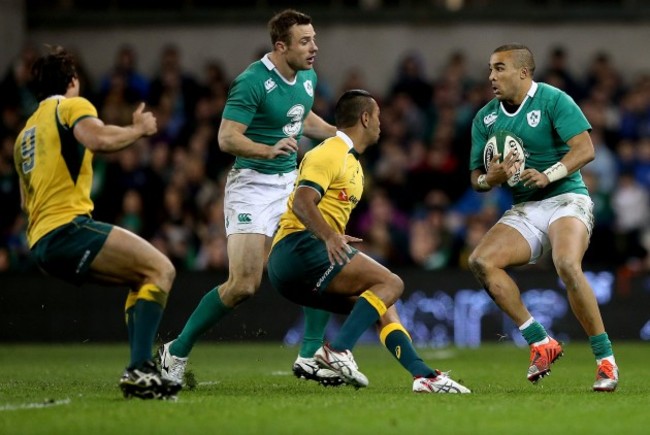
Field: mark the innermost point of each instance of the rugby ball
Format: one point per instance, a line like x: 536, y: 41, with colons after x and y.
x: 503, y: 143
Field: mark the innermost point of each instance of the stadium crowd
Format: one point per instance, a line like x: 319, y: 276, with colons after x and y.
x: 419, y: 208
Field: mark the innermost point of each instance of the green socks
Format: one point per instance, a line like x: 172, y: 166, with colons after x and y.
x: 314, y: 333
x: 362, y: 316
x: 399, y: 344
x: 601, y: 346
x: 209, y: 311
x: 146, y: 319
x: 533, y: 332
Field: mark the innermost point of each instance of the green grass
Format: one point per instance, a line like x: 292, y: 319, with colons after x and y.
x: 248, y: 389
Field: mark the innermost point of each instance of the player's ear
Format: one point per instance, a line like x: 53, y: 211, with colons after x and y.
x: 365, y: 118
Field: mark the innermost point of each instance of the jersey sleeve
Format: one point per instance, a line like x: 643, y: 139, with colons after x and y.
x: 479, y: 137
x: 73, y: 110
x: 568, y: 119
x: 320, y: 167
x: 244, y: 97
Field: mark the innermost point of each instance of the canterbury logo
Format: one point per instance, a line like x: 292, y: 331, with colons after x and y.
x: 244, y: 218
x: 398, y: 351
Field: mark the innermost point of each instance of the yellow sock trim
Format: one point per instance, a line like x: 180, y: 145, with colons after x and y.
x: 373, y: 300
x: 390, y: 328
x: 131, y: 299
x: 153, y: 293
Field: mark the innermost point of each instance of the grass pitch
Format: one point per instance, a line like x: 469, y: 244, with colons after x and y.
x: 249, y: 389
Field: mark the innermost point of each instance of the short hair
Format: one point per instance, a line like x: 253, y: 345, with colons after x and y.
x: 350, y: 107
x: 53, y: 72
x: 281, y: 22
x: 523, y: 57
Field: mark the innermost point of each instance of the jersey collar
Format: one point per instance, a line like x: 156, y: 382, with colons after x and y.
x: 349, y: 143
x: 530, y: 94
x: 271, y: 67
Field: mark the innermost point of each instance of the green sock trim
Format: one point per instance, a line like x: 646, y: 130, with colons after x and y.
x: 401, y: 347
x: 601, y: 346
x: 534, y: 332
x: 146, y: 319
x: 363, y: 315
x: 314, y: 334
x: 207, y: 314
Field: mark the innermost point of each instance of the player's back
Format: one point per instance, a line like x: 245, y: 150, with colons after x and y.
x: 55, y: 170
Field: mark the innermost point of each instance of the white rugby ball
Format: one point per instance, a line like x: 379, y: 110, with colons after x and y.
x: 504, y: 142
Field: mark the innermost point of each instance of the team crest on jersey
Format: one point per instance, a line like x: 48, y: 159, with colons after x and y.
x: 489, y: 119
x: 309, y: 88
x: 269, y: 85
x: 534, y: 117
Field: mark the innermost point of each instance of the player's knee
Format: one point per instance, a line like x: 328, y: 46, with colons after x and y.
x: 396, y: 286
x: 477, y: 263
x: 165, y: 273
x: 241, y: 289
x: 569, y: 271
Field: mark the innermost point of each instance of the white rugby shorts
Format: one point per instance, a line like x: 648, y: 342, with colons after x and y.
x: 532, y: 219
x: 254, y: 202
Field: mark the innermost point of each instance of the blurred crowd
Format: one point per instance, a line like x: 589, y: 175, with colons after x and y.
x: 418, y: 207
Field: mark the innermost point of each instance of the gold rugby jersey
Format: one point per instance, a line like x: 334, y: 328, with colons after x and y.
x: 55, y: 170
x: 334, y: 170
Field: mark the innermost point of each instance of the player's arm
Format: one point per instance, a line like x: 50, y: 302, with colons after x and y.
x: 101, y: 138
x: 233, y: 141
x: 315, y: 127
x: 581, y: 152
x: 305, y: 207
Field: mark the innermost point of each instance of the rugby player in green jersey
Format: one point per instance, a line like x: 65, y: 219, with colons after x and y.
x: 312, y: 263
x: 53, y: 157
x: 267, y: 111
x: 552, y: 210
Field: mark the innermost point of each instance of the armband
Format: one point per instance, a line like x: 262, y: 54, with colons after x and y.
x: 556, y: 172
x: 482, y: 182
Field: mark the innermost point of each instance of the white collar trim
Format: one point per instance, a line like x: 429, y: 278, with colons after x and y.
x: 345, y: 138
x: 271, y: 67
x: 530, y: 94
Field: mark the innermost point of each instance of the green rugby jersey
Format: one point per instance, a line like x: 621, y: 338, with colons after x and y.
x: 545, y: 121
x: 272, y: 108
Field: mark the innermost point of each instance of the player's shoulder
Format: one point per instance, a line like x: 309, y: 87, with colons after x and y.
x: 548, y: 92
x: 75, y: 102
x: 333, y: 148
x: 488, y: 113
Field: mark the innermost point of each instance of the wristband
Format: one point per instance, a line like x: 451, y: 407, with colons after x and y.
x: 556, y: 172
x: 482, y: 182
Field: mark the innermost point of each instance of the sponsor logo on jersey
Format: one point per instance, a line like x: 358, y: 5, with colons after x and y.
x: 244, y: 218
x: 269, y: 85
x: 534, y: 117
x: 309, y: 88
x: 489, y: 119
x: 343, y: 195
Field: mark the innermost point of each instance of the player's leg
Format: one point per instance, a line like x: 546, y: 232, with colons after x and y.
x: 376, y: 289
x: 246, y: 255
x: 501, y: 247
x: 125, y: 258
x: 569, y: 238
x: 398, y: 342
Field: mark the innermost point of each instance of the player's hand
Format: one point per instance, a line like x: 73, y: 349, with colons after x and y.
x: 284, y: 147
x: 532, y: 178
x: 500, y: 172
x: 144, y: 122
x: 338, y: 248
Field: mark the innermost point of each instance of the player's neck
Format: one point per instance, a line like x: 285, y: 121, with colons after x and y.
x: 282, y: 67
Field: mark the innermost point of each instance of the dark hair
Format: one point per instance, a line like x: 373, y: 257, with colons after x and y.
x: 53, y: 72
x: 280, y: 24
x: 523, y: 58
x: 350, y: 106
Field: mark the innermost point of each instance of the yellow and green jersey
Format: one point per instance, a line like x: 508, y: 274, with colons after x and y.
x: 55, y: 170
x: 333, y: 169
